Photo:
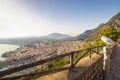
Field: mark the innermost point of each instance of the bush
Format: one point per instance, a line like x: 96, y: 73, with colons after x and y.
x: 110, y: 32
x: 87, y: 45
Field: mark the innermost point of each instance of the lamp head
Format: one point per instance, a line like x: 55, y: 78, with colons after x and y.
x: 107, y: 40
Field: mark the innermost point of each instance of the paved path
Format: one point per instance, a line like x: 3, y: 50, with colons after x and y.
x: 115, y: 64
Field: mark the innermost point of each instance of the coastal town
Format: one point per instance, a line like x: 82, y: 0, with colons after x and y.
x: 35, y: 51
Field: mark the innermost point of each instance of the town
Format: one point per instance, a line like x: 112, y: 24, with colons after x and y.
x: 34, y: 51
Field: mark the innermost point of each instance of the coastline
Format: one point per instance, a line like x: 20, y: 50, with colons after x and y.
x: 6, y: 48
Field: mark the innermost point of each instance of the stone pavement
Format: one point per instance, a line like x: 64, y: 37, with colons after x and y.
x: 115, y: 64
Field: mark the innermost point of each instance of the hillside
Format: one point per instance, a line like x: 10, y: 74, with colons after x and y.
x: 93, y: 34
x: 81, y: 36
x: 115, y: 20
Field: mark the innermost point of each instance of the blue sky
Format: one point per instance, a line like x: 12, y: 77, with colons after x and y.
x: 40, y: 17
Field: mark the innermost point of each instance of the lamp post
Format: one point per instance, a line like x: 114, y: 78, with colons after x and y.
x: 106, y: 62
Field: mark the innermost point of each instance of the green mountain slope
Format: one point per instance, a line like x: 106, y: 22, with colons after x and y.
x: 93, y: 34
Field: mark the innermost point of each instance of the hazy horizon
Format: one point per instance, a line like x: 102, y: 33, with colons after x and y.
x: 31, y: 36
x: 23, y: 18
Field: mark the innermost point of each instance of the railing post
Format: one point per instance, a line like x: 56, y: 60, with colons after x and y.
x: 90, y: 53
x: 106, y: 62
x: 71, y: 61
x: 98, y: 50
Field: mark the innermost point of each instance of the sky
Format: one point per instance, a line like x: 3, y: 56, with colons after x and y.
x: 20, y: 18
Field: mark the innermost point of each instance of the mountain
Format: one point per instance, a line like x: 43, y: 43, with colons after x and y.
x: 90, y: 35
x: 53, y: 36
x: 58, y: 36
x: 81, y: 36
x: 115, y: 20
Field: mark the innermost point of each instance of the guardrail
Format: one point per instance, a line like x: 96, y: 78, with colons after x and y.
x: 73, y: 61
x: 108, y: 51
x: 92, y: 72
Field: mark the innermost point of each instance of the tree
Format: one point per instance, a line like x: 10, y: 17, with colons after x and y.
x: 87, y: 45
x: 119, y: 35
x: 110, y: 32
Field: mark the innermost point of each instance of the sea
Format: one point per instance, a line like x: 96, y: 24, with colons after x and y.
x: 5, y: 48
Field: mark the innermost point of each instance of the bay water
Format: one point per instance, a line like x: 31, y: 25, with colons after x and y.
x: 5, y: 48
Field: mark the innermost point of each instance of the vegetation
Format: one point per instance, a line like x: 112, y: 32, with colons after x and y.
x: 59, y: 63
x: 110, y: 32
x: 87, y: 45
x: 56, y: 64
x: 119, y: 35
